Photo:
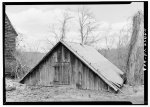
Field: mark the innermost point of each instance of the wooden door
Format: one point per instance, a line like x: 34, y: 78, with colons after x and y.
x: 62, y: 73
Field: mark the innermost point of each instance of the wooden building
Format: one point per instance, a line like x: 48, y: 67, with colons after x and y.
x: 9, y: 46
x: 77, y: 65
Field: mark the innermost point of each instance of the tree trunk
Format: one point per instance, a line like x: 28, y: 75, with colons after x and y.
x: 133, y: 47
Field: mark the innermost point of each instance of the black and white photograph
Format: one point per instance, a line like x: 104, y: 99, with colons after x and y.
x: 74, y: 52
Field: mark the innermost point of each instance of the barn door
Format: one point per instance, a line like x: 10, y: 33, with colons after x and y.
x: 62, y: 73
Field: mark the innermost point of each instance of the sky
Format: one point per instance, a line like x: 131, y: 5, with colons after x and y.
x: 34, y: 22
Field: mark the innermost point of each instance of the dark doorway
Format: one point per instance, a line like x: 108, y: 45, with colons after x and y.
x: 62, y: 73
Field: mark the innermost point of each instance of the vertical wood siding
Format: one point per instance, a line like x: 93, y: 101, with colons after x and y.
x: 64, y: 68
x: 10, y: 40
x: 9, y: 47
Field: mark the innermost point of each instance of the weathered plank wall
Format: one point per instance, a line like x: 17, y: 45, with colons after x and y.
x: 43, y: 75
x: 10, y: 45
x: 85, y: 78
x: 78, y: 75
x: 10, y: 39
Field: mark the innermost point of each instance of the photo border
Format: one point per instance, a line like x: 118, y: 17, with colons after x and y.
x: 81, y: 102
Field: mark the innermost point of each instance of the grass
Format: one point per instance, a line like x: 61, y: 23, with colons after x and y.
x: 24, y: 93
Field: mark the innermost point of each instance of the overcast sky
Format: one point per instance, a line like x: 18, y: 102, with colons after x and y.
x: 34, y: 21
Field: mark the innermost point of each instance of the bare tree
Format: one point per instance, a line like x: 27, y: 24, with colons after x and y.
x: 55, y: 32
x: 60, y: 34
x: 87, y: 25
x: 122, y: 42
x: 66, y: 18
x: 21, y: 62
x: 109, y: 42
x: 133, y: 48
x: 122, y: 51
x: 49, y: 44
x: 16, y: 54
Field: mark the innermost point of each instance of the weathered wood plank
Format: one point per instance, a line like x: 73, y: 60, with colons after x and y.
x: 84, y: 74
x: 9, y: 46
x: 38, y: 77
x: 76, y: 68
x: 92, y: 80
x: 96, y: 81
x: 88, y: 82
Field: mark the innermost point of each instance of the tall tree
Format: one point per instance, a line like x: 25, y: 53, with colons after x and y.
x: 66, y: 18
x: 60, y: 33
x: 133, y: 48
x: 87, y: 25
x: 123, y: 42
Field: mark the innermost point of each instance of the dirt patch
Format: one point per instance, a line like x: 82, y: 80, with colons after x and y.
x: 23, y: 93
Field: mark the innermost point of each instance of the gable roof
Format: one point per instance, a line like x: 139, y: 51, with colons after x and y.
x: 96, y: 62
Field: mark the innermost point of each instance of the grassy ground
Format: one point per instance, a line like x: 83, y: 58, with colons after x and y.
x: 21, y: 93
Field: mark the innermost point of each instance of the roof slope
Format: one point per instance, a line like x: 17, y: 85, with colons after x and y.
x: 95, y: 61
x: 98, y: 63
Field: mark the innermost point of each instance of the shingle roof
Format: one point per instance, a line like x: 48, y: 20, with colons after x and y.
x: 98, y: 63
